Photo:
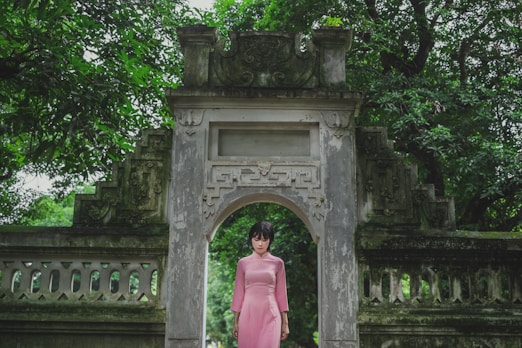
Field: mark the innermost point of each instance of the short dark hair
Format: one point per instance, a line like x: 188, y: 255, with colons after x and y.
x: 262, y: 229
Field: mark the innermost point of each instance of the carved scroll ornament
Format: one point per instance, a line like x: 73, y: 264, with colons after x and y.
x: 260, y: 59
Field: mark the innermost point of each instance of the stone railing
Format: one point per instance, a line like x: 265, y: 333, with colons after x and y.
x: 62, y: 283
x: 76, y: 278
x: 458, y: 289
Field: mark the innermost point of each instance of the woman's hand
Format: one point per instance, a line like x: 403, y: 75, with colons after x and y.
x: 235, y: 331
x: 285, y: 331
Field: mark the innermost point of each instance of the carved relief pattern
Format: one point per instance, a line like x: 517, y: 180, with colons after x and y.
x: 383, y: 181
x: 304, y: 178
x: 190, y: 118
x: 100, y: 209
x: 273, y: 60
x: 135, y: 195
x: 391, y: 185
x: 434, y: 211
x: 341, y: 122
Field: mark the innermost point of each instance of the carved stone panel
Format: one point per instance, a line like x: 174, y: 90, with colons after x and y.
x: 304, y: 178
x: 257, y: 59
x: 137, y: 193
x: 388, y: 190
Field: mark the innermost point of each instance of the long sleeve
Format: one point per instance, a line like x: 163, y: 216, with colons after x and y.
x: 280, y: 290
x: 239, y: 288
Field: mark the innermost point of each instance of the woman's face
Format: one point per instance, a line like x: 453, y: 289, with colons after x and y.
x: 260, y: 245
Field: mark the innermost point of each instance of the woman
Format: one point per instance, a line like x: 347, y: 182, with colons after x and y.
x: 260, y: 303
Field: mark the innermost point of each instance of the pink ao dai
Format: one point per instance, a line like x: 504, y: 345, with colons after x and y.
x: 260, y: 297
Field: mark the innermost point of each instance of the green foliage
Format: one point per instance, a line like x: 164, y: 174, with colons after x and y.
x: 46, y: 211
x: 444, y: 77
x: 292, y: 243
x: 80, y: 79
x: 332, y: 22
x: 49, y: 209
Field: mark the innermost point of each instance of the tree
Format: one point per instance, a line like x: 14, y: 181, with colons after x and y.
x: 292, y: 243
x: 79, y: 80
x: 50, y: 209
x: 445, y: 78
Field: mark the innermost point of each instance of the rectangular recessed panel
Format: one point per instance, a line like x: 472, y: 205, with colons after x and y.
x: 263, y: 143
x: 260, y: 141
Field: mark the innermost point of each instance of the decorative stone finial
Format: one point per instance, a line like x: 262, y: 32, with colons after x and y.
x: 196, y: 42
x: 333, y: 44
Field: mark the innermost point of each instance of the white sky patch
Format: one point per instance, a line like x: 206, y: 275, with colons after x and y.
x: 201, y: 4
x: 39, y: 183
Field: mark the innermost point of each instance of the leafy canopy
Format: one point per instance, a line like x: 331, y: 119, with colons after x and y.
x: 444, y: 77
x: 79, y: 80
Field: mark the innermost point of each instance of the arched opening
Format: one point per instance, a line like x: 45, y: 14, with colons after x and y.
x: 293, y: 243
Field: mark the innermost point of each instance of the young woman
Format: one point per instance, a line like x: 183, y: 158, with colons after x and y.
x: 260, y: 303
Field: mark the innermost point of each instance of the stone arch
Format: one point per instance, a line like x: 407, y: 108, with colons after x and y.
x: 262, y: 198
x: 281, y: 236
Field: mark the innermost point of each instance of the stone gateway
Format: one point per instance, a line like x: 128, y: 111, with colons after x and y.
x: 261, y: 117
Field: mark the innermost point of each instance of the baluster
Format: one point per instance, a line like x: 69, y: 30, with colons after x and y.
x: 396, y: 295
x: 85, y: 278
x: 45, y: 278
x: 65, y: 283
x: 124, y: 284
x: 416, y: 285
x: 105, y: 278
x: 376, y: 286
x: 494, y: 286
x: 25, y: 278
x: 434, y: 281
x: 477, y: 287
x: 455, y: 289
x: 515, y: 279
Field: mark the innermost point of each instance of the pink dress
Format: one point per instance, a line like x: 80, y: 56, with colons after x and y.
x: 260, y: 297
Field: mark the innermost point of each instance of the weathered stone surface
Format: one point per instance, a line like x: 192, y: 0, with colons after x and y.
x: 82, y: 287
x: 439, y: 289
x: 196, y: 42
x: 302, y: 181
x: 265, y: 59
x: 389, y: 194
x: 137, y: 194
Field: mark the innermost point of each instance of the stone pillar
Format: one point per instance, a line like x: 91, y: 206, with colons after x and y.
x: 196, y: 42
x: 187, y: 260
x: 338, y: 289
x: 333, y: 44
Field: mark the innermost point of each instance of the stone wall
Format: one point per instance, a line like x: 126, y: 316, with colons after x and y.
x: 82, y: 287
x: 422, y: 283
x: 455, y: 289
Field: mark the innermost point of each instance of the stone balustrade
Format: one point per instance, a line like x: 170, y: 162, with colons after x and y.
x: 99, y: 286
x: 447, y: 289
x: 430, y: 284
x: 78, y: 279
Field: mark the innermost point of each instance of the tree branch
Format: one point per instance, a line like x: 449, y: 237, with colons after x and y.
x: 426, y: 42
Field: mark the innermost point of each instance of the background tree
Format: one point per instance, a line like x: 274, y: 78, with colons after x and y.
x: 293, y: 244
x: 49, y: 209
x: 78, y: 81
x: 444, y: 77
